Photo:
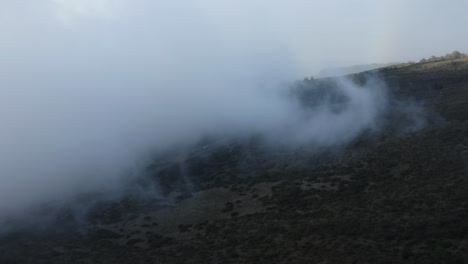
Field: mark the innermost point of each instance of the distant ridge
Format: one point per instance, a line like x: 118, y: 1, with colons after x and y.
x: 339, y: 71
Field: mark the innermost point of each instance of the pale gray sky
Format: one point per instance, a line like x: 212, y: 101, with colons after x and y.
x: 310, y: 34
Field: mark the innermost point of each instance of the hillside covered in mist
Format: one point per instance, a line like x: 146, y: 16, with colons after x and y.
x: 135, y: 131
x: 390, y: 190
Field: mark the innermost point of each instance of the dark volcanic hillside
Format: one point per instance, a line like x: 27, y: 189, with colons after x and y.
x: 395, y: 197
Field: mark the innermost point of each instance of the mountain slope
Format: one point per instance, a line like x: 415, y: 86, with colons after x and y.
x: 399, y: 197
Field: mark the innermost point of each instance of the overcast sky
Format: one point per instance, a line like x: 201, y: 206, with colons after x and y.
x: 311, y: 34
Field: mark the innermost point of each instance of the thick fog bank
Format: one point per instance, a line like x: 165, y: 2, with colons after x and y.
x: 89, y: 92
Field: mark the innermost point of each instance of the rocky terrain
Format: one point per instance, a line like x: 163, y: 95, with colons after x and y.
x: 398, y: 196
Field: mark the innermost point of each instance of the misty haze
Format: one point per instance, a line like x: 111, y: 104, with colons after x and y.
x: 233, y: 131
